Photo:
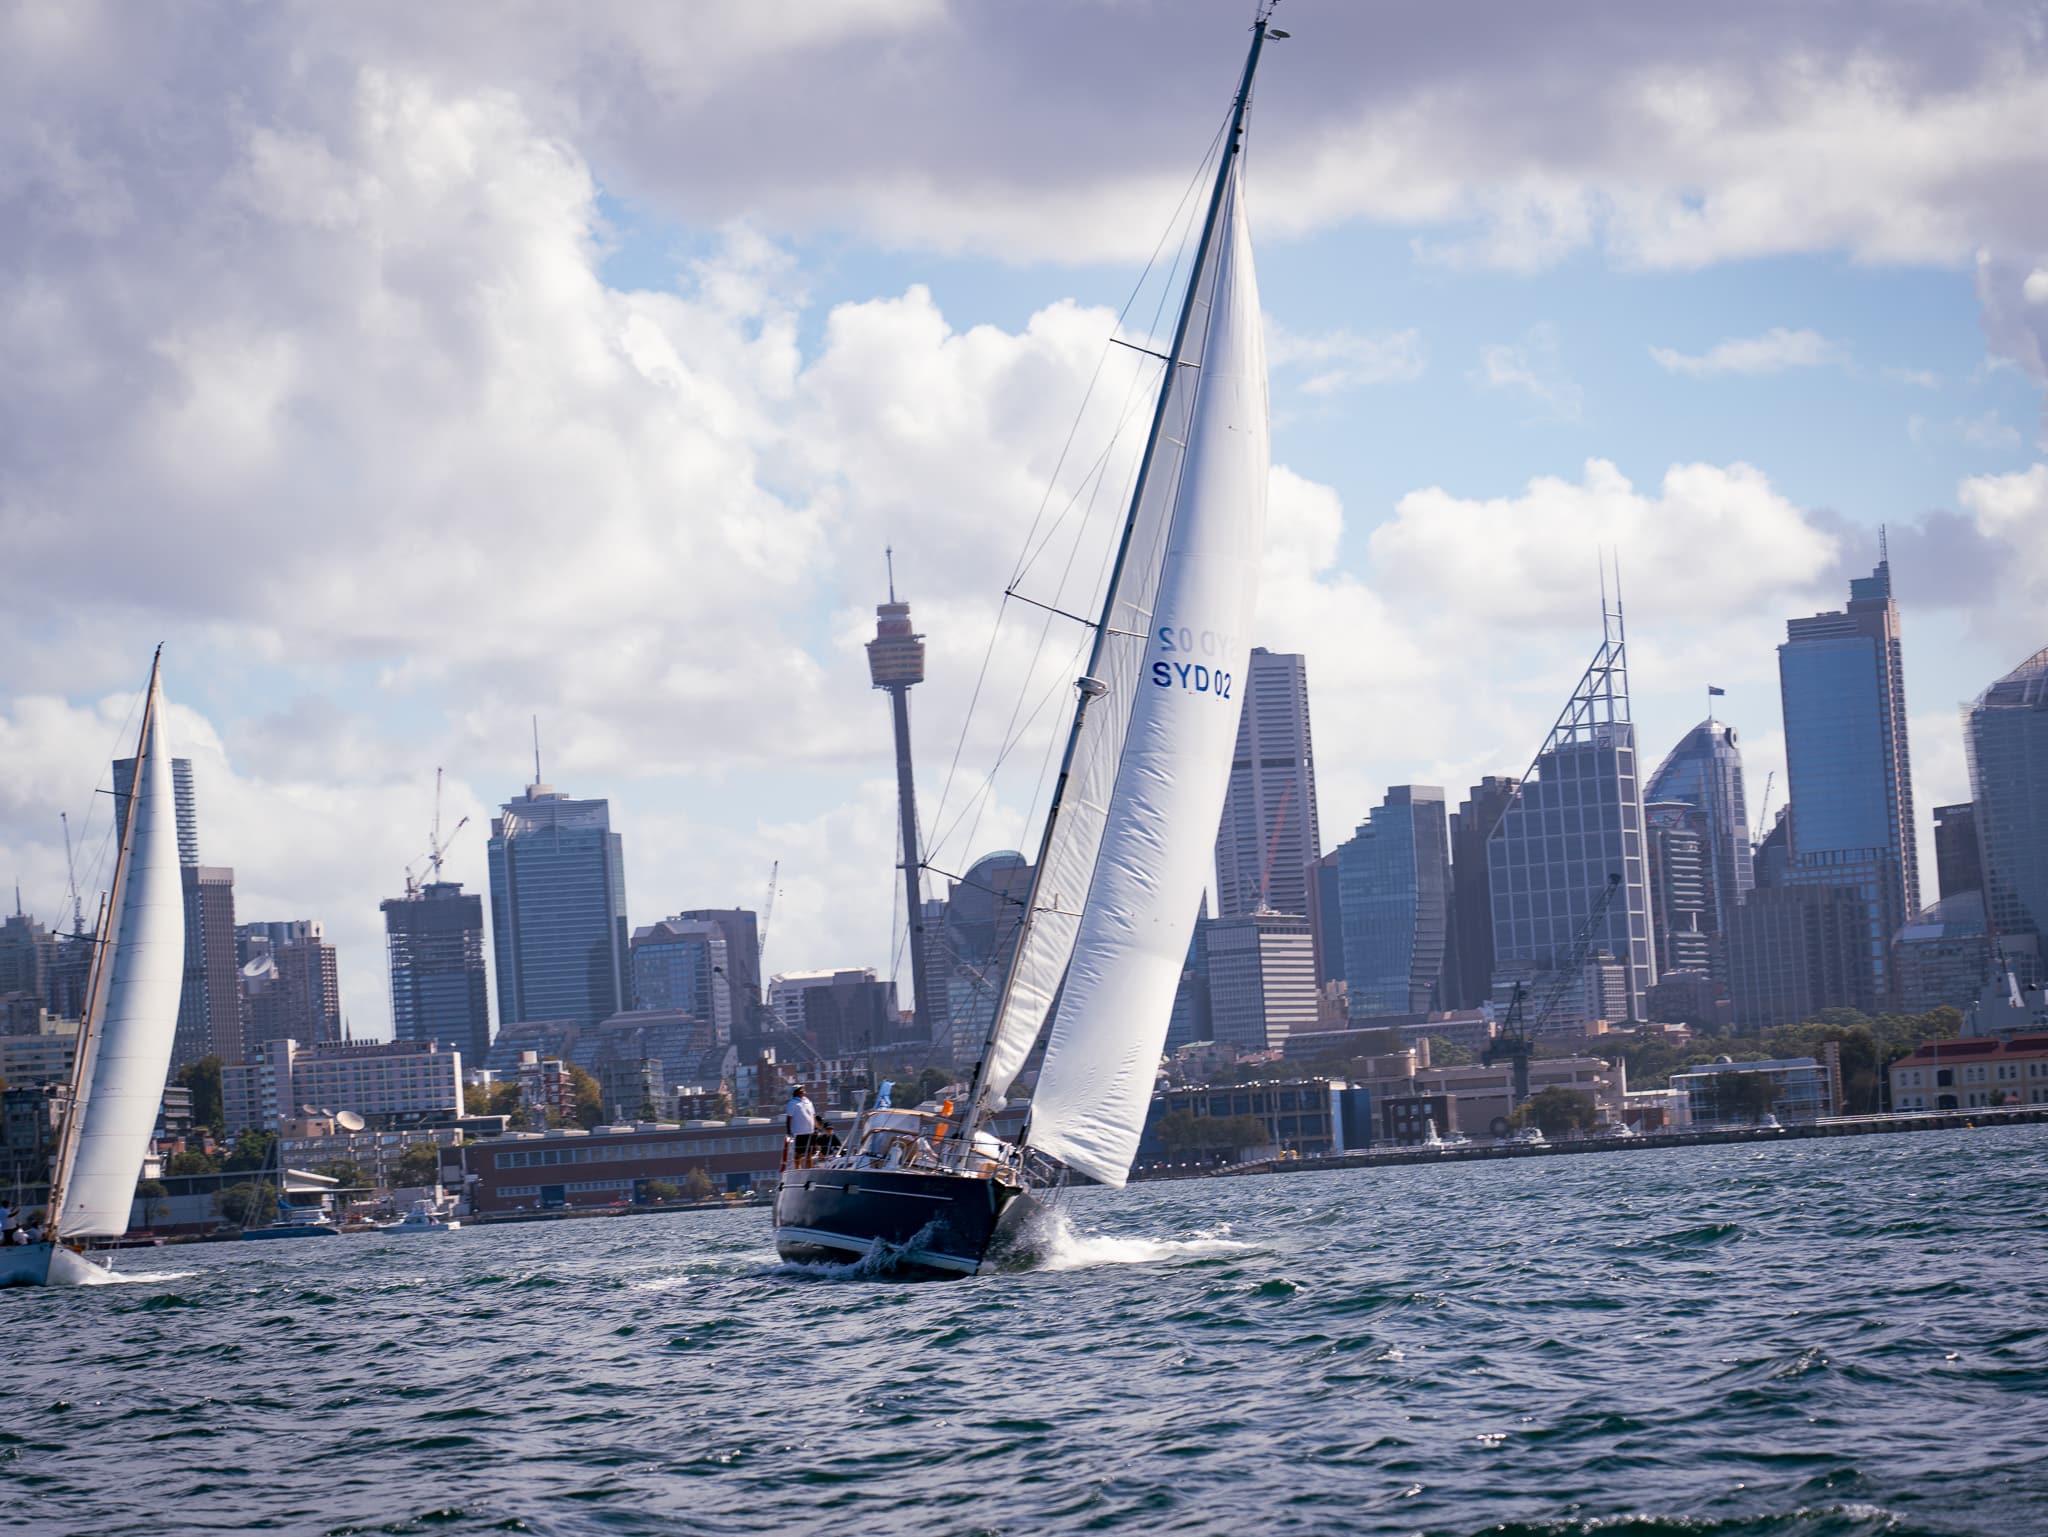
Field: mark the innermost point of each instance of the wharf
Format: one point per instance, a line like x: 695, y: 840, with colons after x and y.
x: 1830, y: 1126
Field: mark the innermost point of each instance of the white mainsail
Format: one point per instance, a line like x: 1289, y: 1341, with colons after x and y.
x: 1067, y: 859
x: 125, y: 1041
x: 1158, y: 827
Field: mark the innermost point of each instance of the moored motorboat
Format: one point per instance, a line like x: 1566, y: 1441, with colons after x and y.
x: 421, y: 1217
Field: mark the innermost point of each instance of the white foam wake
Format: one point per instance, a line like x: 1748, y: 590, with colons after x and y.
x: 1052, y: 1242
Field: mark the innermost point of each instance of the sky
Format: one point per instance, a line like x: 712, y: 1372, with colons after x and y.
x: 414, y: 372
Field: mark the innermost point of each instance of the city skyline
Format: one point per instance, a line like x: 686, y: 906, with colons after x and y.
x: 356, y: 982
x: 1476, y: 387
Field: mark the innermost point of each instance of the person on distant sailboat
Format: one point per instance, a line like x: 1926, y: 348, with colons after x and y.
x: 808, y: 1132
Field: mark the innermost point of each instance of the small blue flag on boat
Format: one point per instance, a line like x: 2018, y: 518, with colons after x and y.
x: 1712, y: 690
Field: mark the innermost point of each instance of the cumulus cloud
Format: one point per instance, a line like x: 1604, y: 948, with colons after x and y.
x: 2012, y: 510
x: 1771, y: 353
x: 1710, y: 541
x: 1535, y: 367
x: 1987, y: 429
x: 309, y: 363
x: 1340, y: 360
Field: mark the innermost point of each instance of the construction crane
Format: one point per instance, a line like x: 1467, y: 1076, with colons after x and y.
x: 1515, y: 1041
x: 1763, y: 810
x: 71, y: 869
x: 763, y: 1020
x: 1273, y: 843
x: 767, y: 917
x: 437, y: 848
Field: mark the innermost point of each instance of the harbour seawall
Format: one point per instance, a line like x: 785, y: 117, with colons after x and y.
x: 1833, y: 1126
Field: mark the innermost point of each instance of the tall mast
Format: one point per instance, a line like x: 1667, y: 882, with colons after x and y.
x: 104, y: 941
x: 1090, y: 687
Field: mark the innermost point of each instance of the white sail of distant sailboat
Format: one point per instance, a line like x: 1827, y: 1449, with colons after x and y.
x: 131, y: 1016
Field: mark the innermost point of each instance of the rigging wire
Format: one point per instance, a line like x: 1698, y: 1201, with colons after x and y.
x: 1029, y: 554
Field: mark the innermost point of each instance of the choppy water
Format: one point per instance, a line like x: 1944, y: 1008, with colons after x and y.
x: 1838, y: 1338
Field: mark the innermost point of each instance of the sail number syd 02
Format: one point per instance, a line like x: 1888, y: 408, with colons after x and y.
x: 1194, y: 677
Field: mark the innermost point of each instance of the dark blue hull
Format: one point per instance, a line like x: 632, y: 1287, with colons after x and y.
x: 924, y: 1223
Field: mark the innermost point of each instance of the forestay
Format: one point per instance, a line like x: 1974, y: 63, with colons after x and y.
x: 1156, y: 830
x: 125, y: 1042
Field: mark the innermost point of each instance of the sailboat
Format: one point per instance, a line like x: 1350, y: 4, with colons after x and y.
x: 124, y: 1040
x: 1130, y: 826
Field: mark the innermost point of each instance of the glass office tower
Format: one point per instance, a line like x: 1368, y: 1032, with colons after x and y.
x: 435, y: 939
x: 1576, y: 819
x: 1705, y: 772
x: 2006, y: 731
x: 1268, y: 837
x: 1393, y: 882
x: 558, y: 909
x: 1842, y: 680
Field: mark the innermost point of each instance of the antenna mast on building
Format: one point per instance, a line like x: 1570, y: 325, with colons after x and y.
x: 536, y: 751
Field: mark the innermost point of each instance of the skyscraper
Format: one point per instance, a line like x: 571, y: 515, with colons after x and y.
x: 2007, y: 736
x: 1795, y: 950
x: 1576, y: 819
x: 434, y: 937
x: 210, y: 1005
x: 1468, y: 959
x: 1326, y: 918
x: 1394, y: 893
x: 1268, y: 834
x: 1843, y: 683
x: 289, y: 983
x: 973, y: 945
x: 1958, y: 862
x: 183, y: 798
x: 558, y: 909
x: 742, y: 933
x: 1681, y: 885
x: 682, y: 963
x: 1705, y: 772
x: 1262, y: 979
x: 28, y: 954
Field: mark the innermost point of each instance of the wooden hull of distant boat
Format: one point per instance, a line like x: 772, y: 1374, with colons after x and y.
x: 47, y: 1264
x: 914, y: 1223
x: 304, y: 1230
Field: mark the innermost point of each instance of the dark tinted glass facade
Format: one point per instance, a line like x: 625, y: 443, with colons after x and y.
x: 1842, y: 682
x: 558, y: 909
x: 1705, y: 772
x: 2008, y: 747
x: 435, y: 940
x: 1393, y: 882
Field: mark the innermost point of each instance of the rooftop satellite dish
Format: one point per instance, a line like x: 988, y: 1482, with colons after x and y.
x: 348, y: 1120
x: 309, y: 1110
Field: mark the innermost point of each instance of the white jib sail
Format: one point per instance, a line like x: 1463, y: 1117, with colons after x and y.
x: 1160, y: 830
x: 127, y: 1044
x: 1067, y: 862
